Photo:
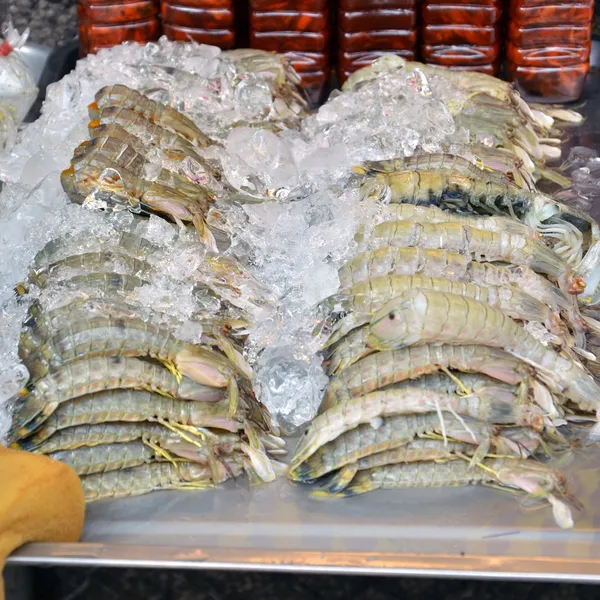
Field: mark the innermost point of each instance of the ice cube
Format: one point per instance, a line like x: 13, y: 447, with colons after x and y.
x: 290, y: 385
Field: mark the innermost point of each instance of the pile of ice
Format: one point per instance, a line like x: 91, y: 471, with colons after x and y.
x: 296, y: 243
x: 213, y: 87
x: 293, y: 244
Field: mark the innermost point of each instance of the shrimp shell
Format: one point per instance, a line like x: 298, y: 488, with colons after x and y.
x: 165, y: 116
x: 61, y: 248
x: 432, y: 214
x: 108, y: 336
x: 418, y: 450
x: 541, y: 481
x: 432, y: 262
x: 425, y: 316
x: 392, y: 366
x: 133, y: 406
x: 484, y: 246
x: 428, y: 162
x: 103, y: 433
x: 105, y: 457
x: 448, y: 188
x: 87, y: 376
x: 151, y: 477
x: 391, y: 432
x: 367, y: 298
x: 82, y: 264
x: 485, y: 405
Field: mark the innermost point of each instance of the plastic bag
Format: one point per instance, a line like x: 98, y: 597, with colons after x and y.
x: 18, y: 90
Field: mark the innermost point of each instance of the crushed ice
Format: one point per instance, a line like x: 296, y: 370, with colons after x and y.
x: 290, y: 246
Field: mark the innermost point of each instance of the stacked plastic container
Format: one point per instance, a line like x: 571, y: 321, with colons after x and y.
x: 204, y: 21
x: 301, y: 29
x: 106, y: 23
x: 370, y: 28
x: 548, y: 47
x: 462, y: 35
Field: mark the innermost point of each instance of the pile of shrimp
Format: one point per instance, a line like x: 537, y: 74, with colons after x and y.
x: 494, y: 174
x: 149, y: 158
x: 456, y: 346
x: 505, y: 133
x: 115, y: 393
x: 114, y: 168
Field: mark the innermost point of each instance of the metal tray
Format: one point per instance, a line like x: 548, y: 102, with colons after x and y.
x: 473, y: 532
x: 447, y: 532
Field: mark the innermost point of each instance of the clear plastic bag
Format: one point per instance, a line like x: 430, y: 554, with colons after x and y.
x: 17, y: 85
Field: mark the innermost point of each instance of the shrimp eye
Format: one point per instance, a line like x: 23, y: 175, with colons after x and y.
x: 392, y: 316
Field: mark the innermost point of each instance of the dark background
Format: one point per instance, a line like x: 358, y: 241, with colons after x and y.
x: 139, y: 584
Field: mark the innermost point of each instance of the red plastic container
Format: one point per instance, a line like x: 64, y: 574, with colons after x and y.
x: 464, y: 35
x: 106, y: 23
x: 302, y: 31
x: 204, y: 21
x: 548, y: 48
x: 370, y: 28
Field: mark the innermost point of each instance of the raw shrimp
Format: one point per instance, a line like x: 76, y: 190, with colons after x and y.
x: 121, y: 155
x: 107, y: 118
x: 90, y: 375
x: 62, y: 248
x: 392, y: 432
x: 110, y: 261
x: 447, y: 188
x: 108, y: 336
x: 492, y: 405
x: 432, y: 214
x: 118, y: 186
x: 105, y: 433
x: 541, y: 481
x: 481, y: 245
x: 154, y: 476
x: 106, y: 457
x: 418, y: 450
x: 392, y: 366
x: 103, y: 283
x: 429, y: 162
x: 133, y: 406
x: 168, y: 148
x: 432, y: 262
x: 363, y: 300
x: 125, y: 97
x: 423, y: 316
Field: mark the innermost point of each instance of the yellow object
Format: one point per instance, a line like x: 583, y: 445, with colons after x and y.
x: 41, y: 500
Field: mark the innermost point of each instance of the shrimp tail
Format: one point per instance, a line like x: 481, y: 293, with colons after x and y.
x: 342, y: 478
x: 532, y: 309
x: 260, y: 462
x: 583, y: 390
x: 352, y: 490
x: 503, y: 408
x: 548, y: 262
x: 204, y: 233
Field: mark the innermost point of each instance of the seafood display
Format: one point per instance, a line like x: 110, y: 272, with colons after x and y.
x: 458, y: 344
x: 113, y: 171
x: 116, y: 394
x: 217, y: 268
x: 137, y: 372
